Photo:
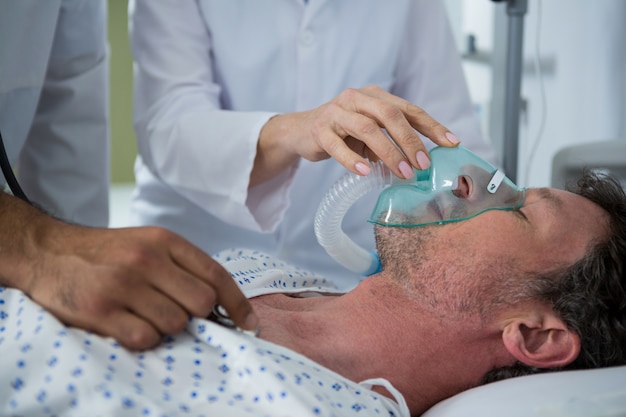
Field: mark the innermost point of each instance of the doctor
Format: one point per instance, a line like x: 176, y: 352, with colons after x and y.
x: 54, y: 104
x: 238, y: 104
x: 134, y: 285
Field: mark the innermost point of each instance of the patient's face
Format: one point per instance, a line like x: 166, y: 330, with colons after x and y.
x: 557, y: 227
x: 458, y: 265
x: 554, y: 227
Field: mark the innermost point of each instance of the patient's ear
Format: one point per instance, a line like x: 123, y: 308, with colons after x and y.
x: 541, y: 339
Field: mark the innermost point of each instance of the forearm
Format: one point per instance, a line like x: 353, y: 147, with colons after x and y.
x: 189, y: 135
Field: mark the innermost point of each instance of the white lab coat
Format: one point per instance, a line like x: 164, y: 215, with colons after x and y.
x: 54, y: 104
x: 210, y: 73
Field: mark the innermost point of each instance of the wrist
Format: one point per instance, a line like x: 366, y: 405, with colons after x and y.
x: 25, y: 231
x: 274, y: 149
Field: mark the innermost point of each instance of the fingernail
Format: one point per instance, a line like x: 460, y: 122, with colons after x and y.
x: 363, y: 169
x: 422, y: 160
x: 453, y: 139
x: 406, y: 170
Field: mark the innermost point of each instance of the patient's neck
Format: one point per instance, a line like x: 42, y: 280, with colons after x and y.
x: 376, y: 331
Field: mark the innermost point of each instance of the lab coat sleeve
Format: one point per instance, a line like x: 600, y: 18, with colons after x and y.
x: 430, y: 74
x: 186, y: 139
x: 64, y: 165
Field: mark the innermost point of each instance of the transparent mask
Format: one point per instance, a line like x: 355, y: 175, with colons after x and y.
x: 458, y: 185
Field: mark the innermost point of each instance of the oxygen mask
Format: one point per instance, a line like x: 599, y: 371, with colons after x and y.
x: 458, y: 185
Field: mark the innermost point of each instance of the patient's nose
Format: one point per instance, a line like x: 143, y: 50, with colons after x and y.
x: 462, y: 187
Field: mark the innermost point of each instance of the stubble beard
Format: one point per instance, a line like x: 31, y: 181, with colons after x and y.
x: 451, y: 281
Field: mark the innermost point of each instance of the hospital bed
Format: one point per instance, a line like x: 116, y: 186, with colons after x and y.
x: 608, y: 156
x: 588, y: 393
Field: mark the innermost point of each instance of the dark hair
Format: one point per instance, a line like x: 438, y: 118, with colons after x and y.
x: 590, y: 296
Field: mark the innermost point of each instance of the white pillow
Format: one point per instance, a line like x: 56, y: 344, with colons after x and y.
x: 587, y: 393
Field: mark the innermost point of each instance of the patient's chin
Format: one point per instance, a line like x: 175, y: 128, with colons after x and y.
x: 399, y: 247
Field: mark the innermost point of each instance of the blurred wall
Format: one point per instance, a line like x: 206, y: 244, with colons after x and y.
x: 123, y: 143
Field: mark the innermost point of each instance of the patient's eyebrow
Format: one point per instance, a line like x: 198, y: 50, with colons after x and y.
x: 550, y: 197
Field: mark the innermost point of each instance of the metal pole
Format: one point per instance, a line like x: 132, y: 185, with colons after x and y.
x: 516, y: 9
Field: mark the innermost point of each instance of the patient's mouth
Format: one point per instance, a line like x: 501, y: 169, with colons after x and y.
x: 434, y: 209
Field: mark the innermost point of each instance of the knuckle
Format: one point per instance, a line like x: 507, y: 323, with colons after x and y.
x: 415, y: 109
x: 409, y: 138
x: 331, y: 109
x: 159, y: 233
x: 371, y: 88
x: 203, y: 302
x: 423, y: 118
x: 332, y: 148
x: 141, y: 256
x: 96, y: 306
x: 368, y: 128
x: 392, y: 113
x: 174, y: 322
x: 348, y: 94
x: 141, y: 336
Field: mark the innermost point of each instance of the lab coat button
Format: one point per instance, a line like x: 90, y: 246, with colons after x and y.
x: 307, y: 38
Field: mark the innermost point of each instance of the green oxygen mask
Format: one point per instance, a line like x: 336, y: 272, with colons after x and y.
x: 458, y: 185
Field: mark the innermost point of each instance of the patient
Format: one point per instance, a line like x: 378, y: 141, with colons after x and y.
x: 502, y: 294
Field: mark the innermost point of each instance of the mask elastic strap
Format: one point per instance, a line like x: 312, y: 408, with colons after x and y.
x: 404, y: 409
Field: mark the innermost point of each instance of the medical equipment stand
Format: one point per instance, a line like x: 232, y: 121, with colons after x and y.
x: 515, y: 9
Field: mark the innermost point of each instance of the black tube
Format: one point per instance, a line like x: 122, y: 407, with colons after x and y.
x: 8, y: 173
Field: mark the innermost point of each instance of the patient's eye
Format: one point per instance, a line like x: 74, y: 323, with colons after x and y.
x: 521, y: 214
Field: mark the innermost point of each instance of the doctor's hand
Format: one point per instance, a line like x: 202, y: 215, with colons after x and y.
x: 135, y: 285
x: 349, y: 129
